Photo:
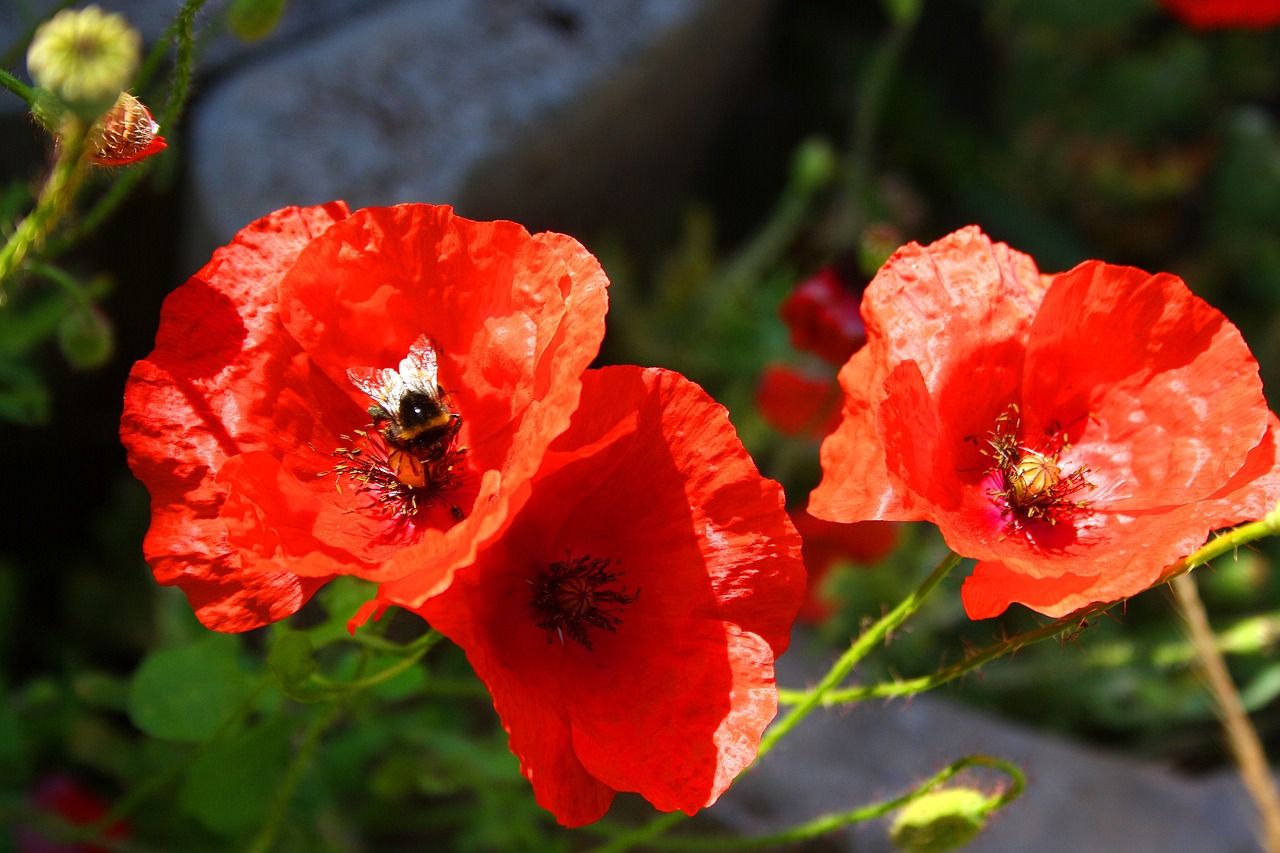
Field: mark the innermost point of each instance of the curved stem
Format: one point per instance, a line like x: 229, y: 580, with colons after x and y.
x: 182, y: 31
x: 55, y: 199
x: 266, y: 838
x: 1222, y: 544
x: 13, y: 84
x: 823, y: 824
x: 870, y: 639
x: 69, y: 285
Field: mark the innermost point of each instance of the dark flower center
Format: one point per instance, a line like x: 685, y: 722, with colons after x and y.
x: 574, y: 595
x: 1030, y: 484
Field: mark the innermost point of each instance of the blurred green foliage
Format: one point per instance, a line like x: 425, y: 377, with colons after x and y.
x: 1070, y: 129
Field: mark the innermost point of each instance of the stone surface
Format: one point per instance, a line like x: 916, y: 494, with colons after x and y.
x: 564, y: 115
x: 1078, y: 799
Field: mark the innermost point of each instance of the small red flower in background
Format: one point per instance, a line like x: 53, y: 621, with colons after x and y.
x: 823, y: 317
x: 627, y: 620
x: 1222, y: 14
x: 1076, y: 433
x: 795, y: 403
x: 68, y: 799
x: 336, y: 392
x: 822, y: 314
x: 829, y: 543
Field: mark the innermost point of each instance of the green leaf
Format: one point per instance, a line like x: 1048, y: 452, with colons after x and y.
x: 1261, y: 689
x: 185, y: 693
x: 292, y: 664
x: 250, y: 20
x: 230, y: 788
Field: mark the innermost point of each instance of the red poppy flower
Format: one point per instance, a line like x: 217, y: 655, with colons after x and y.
x: 795, y: 403
x: 1220, y: 14
x: 335, y: 393
x: 822, y: 314
x: 627, y: 620
x: 68, y: 799
x: 1075, y: 433
x: 829, y: 543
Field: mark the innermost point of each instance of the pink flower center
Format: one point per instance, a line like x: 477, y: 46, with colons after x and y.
x: 1027, y: 478
x: 575, y: 595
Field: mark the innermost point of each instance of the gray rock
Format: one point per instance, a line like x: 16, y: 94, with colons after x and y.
x: 1078, y: 799
x: 565, y: 114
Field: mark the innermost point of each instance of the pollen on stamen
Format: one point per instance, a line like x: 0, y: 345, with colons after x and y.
x: 575, y: 595
x: 1029, y: 481
x: 401, y: 484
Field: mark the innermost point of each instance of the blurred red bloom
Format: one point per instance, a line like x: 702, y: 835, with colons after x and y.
x: 356, y: 393
x: 1222, y: 14
x: 627, y: 621
x: 828, y: 543
x: 822, y: 314
x: 795, y: 403
x: 1075, y: 433
x: 68, y: 799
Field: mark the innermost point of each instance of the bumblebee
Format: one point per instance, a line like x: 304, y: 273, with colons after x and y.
x: 411, y: 409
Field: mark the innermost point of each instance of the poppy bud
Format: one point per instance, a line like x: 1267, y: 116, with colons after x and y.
x: 940, y: 820
x: 124, y: 135
x: 86, y: 58
x: 86, y: 338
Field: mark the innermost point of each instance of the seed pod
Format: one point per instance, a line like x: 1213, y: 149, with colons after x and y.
x: 126, y: 134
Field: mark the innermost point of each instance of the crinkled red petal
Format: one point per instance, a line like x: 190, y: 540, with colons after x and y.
x: 957, y: 308
x: 1156, y: 389
x: 184, y: 414
x: 515, y: 318
x: 651, y: 477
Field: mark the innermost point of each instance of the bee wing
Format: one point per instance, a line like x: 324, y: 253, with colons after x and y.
x: 382, y: 384
x: 421, y: 366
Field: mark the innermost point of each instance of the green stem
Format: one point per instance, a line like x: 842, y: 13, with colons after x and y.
x: 280, y: 807
x: 823, y: 824
x: 867, y: 114
x: 869, y: 640
x: 183, y: 31
x: 352, y: 687
x: 55, y: 199
x: 13, y: 84
x: 649, y: 831
x: 1217, y: 547
x: 69, y: 285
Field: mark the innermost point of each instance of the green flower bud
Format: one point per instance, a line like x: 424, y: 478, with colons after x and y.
x: 86, y: 58
x: 86, y: 338
x: 941, y: 820
x: 814, y: 165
